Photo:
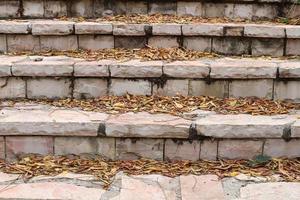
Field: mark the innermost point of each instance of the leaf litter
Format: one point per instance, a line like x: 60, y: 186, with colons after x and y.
x: 104, y: 170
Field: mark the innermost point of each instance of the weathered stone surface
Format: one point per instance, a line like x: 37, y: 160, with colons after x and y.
x: 189, y: 8
x: 186, y: 69
x: 5, y: 66
x: 55, y: 9
x: 130, y: 42
x: 161, y: 7
x: 50, y: 190
x: 43, y: 68
x: 172, y: 87
x: 83, y: 8
x: 23, y: 43
x: 231, y: 46
x: 136, y: 7
x: 130, y: 149
x: 136, y: 68
x: 9, y: 8
x: 2, y: 155
x: 267, y: 46
x: 129, y: 29
x: 85, y: 145
x: 262, y: 88
x: 121, y: 86
x: 289, y: 70
x: 50, y: 122
x: 33, y: 8
x: 281, y: 148
x: 197, y: 43
x: 295, y: 130
x: 264, y: 31
x: 268, y: 191
x: 211, y: 9
x: 287, y: 90
x: 292, y: 31
x: 11, y: 88
x: 265, y: 11
x: 163, y: 41
x: 92, y: 69
x: 43, y: 88
x: 59, y: 43
x: 243, y: 126
x: 3, y: 43
x: 243, y: 68
x: 244, y: 11
x: 209, y: 150
x: 166, y: 29
x: 233, y: 30
x: 93, y: 28
x: 293, y: 47
x: 20, y: 145
x: 147, y: 125
x: 182, y: 149
x: 197, y: 187
x: 239, y: 149
x: 202, y: 29
x: 48, y: 27
x: 90, y: 88
x: 7, y: 177
x: 11, y: 27
x: 215, y: 88
x: 95, y: 42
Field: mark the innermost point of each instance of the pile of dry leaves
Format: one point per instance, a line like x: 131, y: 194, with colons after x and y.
x: 105, y: 170
x: 175, y: 105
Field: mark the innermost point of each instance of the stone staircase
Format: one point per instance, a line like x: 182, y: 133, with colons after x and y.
x: 256, y: 58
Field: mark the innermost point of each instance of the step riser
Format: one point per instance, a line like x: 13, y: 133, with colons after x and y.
x: 159, y: 149
x: 98, y: 8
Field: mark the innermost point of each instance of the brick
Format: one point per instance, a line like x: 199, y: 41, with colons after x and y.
x: 3, y: 46
x: 129, y: 29
x: 289, y: 70
x: 18, y: 145
x: 293, y: 47
x: 11, y: 88
x: 43, y: 68
x: 280, y: 148
x: 208, y: 150
x: 186, y: 69
x: 242, y: 69
x: 145, y: 125
x: 51, y: 190
x: 172, y: 87
x: 287, y: 90
x: 166, y: 29
x: 163, y: 41
x: 11, y: 27
x: 200, y: 187
x: 218, y: 10
x: 23, y: 43
x: 136, y: 69
x: 231, y: 46
x: 93, y: 28
x: 130, y: 42
x: 130, y: 149
x: 2, y: 150
x: 157, y: 7
x: 202, y: 29
x: 96, y: 42
x: 239, y: 149
x: 264, y: 31
x: 215, y: 88
x: 43, y: 88
x: 197, y: 43
x: 33, y: 8
x: 55, y: 8
x: 295, y: 129
x: 136, y: 7
x: 85, y: 145
x: 189, y: 8
x: 264, y: 11
x: 9, y: 9
x: 59, y: 42
x: 48, y: 27
x: 292, y: 31
x: 243, y: 126
x: 82, y: 8
x: 233, y: 30
x: 251, y: 88
x: 182, y: 150
x: 137, y: 87
x: 244, y: 11
x: 90, y: 88
x: 92, y: 68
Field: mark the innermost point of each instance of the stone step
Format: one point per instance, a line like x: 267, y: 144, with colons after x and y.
x: 222, y: 38
x: 43, y: 129
x: 35, y: 77
x: 249, y: 9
